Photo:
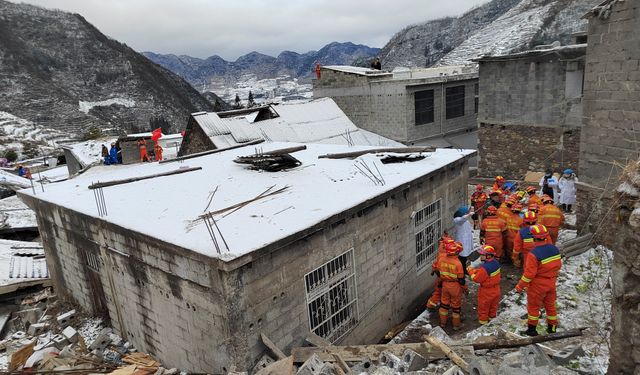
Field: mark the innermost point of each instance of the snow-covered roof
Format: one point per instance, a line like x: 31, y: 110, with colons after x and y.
x: 21, y: 264
x: 317, y: 121
x: 560, y: 51
x: 438, y: 72
x: 355, y: 70
x: 13, y: 181
x: 317, y: 190
x: 90, y: 151
x: 16, y: 215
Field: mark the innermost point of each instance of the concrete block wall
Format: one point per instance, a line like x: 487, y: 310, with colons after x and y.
x: 512, y: 150
x: 195, y: 140
x: 611, y: 133
x: 270, y: 290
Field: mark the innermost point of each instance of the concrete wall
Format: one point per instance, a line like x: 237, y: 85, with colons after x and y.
x: 195, y: 140
x: 73, y: 165
x: 529, y: 115
x: 611, y: 133
x: 386, y: 106
x: 270, y: 290
x: 203, y: 315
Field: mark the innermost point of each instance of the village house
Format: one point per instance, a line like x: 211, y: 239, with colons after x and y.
x: 192, y: 260
x: 317, y: 121
x: 412, y: 106
x: 530, y: 110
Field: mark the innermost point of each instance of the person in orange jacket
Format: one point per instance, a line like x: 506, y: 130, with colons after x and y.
x: 478, y: 200
x: 453, y: 285
x: 157, y: 151
x: 498, y: 184
x: 533, y: 207
x: 533, y: 197
x: 514, y: 223
x: 434, y: 300
x: 524, y: 243
x: 493, y: 231
x: 540, y: 278
x: 488, y: 276
x: 551, y: 217
x: 142, y: 145
x: 505, y: 208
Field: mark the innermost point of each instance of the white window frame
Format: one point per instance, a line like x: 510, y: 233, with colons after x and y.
x: 336, y: 276
x: 427, y: 221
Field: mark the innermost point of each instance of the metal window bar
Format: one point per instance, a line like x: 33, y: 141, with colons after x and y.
x: 101, y: 204
x: 93, y: 260
x: 428, y: 214
x: 332, y: 298
x: 427, y: 244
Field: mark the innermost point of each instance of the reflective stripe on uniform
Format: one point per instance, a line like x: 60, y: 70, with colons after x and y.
x: 493, y: 230
x: 483, y: 321
x: 496, y: 272
x: 528, y: 240
x: 525, y: 279
x: 444, y: 313
x: 513, y: 227
x: 443, y: 273
x: 550, y: 259
x: 531, y: 317
x: 550, y: 216
x: 552, y: 317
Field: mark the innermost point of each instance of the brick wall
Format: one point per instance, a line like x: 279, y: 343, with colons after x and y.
x: 195, y: 140
x: 611, y: 133
x: 512, y: 150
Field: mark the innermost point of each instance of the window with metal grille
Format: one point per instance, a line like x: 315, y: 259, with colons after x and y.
x: 93, y: 260
x: 332, y: 298
x: 455, y: 102
x: 428, y: 228
x: 424, y: 107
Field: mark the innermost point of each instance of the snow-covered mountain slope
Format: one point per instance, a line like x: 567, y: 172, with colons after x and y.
x: 26, y: 138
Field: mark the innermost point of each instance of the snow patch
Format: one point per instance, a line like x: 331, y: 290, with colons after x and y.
x: 85, y: 107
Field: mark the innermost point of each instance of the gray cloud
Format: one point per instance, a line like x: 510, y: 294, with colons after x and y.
x: 231, y: 28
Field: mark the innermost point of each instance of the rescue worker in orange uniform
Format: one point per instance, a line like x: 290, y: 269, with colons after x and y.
x: 533, y: 207
x: 453, y: 285
x: 524, y: 243
x: 478, y: 200
x: 551, y: 217
x: 488, y: 276
x: 434, y: 300
x: 533, y: 197
x: 142, y: 145
x: 157, y: 151
x: 505, y: 209
x: 514, y: 223
x: 539, y: 278
x: 499, y: 182
x: 493, y: 231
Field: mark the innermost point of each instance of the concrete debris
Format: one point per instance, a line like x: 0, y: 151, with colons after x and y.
x: 65, y: 319
x: 391, y: 361
x: 262, y: 363
x: 70, y: 334
x: 313, y: 366
x: 414, y: 361
x: 565, y: 356
x: 102, y: 341
x: 37, y: 329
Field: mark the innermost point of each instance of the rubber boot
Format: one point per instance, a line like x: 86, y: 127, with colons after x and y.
x: 551, y: 328
x: 531, y: 331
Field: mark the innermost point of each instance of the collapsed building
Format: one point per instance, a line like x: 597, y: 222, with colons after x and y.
x: 530, y: 110
x: 192, y: 260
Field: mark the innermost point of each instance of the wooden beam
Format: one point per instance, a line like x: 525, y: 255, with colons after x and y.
x: 209, y: 152
x: 453, y: 356
x: 274, y: 349
x: 514, y: 343
x: 134, y: 179
x: 547, y: 350
x: 282, y: 151
x: 316, y: 340
x: 399, y: 150
x: 342, y: 364
x: 358, y: 353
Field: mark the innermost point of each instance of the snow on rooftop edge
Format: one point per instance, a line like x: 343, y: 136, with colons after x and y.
x: 319, y: 189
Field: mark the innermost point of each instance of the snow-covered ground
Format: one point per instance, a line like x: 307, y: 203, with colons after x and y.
x: 16, y: 132
x: 85, y: 107
x: 15, y: 214
x: 272, y: 90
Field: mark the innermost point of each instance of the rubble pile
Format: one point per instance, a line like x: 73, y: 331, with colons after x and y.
x: 43, y: 334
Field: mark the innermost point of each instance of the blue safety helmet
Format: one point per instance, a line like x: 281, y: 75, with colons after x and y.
x: 461, y: 211
x: 568, y: 171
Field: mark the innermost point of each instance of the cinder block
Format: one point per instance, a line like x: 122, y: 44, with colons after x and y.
x: 102, y: 340
x: 59, y: 341
x: 70, y: 334
x: 414, y: 361
x: 37, y: 329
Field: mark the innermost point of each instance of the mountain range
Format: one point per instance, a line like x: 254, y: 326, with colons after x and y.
x: 199, y: 71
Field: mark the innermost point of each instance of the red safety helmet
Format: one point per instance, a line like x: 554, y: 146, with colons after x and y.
x: 547, y: 199
x: 516, y: 208
x: 539, y: 231
x: 459, y: 246
x: 531, y: 190
x: 487, y: 250
x: 533, y: 207
x: 499, y: 179
x: 510, y: 201
x: 479, y: 187
x: 491, y: 210
x: 451, y: 248
x: 530, y: 217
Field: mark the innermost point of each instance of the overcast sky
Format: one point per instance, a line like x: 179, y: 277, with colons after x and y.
x: 231, y: 28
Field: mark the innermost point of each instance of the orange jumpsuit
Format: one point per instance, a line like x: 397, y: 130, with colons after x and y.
x: 488, y: 276
x: 492, y: 230
x: 514, y: 223
x: 524, y: 243
x: 534, y: 198
x: 434, y: 300
x: 142, y: 145
x: 452, y: 276
x: 540, y: 273
x: 157, y: 151
x: 504, y: 212
x: 551, y: 217
x: 478, y: 199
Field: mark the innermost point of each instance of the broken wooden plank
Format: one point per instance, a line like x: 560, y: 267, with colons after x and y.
x: 514, y: 343
x: 19, y: 357
x: 358, y: 353
x: 453, y: 356
x: 134, y: 179
x: 547, y: 350
x: 209, y: 152
x: 342, y: 364
x: 274, y: 349
x: 282, y: 151
x: 316, y: 340
x: 281, y: 367
x: 399, y: 150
